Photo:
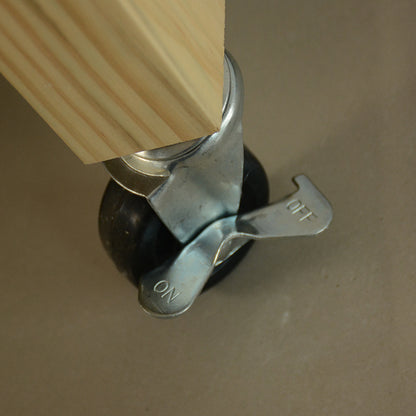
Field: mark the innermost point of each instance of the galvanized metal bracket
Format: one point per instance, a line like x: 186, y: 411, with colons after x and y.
x: 170, y: 289
x: 195, y: 189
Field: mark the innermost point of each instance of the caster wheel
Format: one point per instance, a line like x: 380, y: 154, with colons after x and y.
x: 137, y: 240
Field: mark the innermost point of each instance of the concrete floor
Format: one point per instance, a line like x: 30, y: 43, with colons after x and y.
x: 308, y: 326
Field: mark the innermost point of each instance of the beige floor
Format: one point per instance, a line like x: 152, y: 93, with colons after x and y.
x: 321, y: 326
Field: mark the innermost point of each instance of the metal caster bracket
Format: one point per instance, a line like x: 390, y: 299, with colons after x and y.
x: 195, y: 189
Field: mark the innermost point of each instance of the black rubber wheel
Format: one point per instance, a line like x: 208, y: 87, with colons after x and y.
x: 137, y: 241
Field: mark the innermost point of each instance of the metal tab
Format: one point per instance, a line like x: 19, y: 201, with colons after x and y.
x: 170, y: 289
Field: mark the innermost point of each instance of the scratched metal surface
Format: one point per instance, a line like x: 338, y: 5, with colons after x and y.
x: 303, y: 326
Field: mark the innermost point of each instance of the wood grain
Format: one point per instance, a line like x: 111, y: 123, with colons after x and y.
x: 112, y: 77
